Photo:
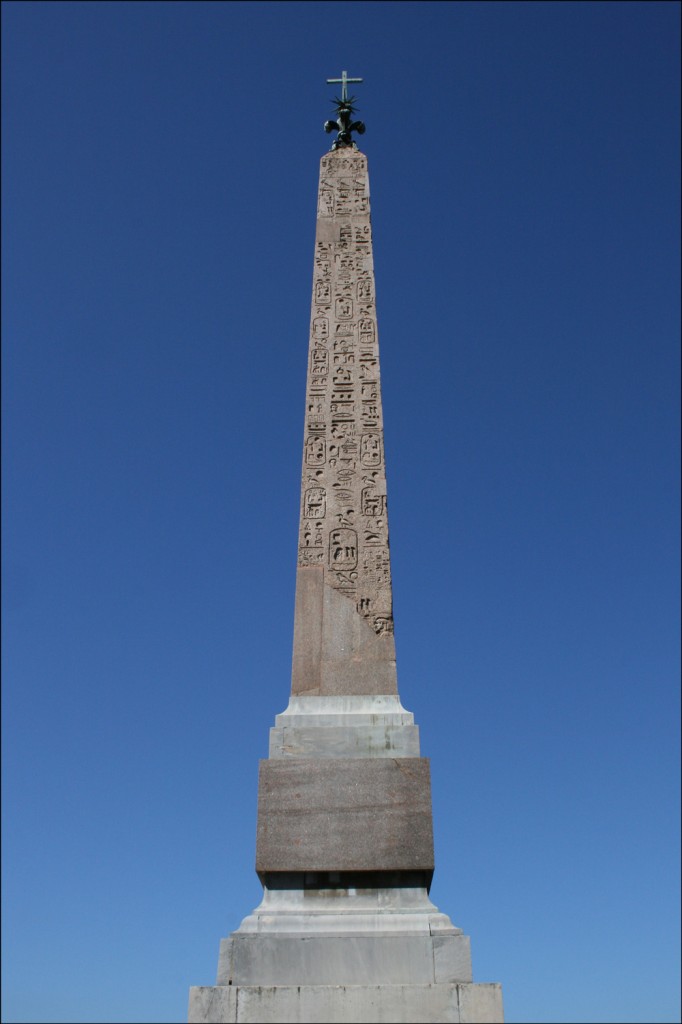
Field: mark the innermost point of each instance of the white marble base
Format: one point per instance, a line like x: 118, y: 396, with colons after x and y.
x: 345, y: 937
x: 344, y: 960
x: 405, y: 910
x: 364, y: 726
x: 347, y: 1004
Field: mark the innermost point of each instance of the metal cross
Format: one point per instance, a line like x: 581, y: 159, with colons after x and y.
x: 343, y: 81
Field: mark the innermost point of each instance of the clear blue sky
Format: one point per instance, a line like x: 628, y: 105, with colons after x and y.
x: 160, y: 171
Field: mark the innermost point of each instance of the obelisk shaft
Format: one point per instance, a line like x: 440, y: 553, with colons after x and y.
x: 343, y: 633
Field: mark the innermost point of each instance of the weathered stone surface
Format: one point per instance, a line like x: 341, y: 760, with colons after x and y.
x: 261, y: 959
x: 451, y: 958
x: 341, y: 1004
x: 363, y: 709
x: 376, y: 903
x: 480, y: 1004
x: 336, y: 652
x: 367, y: 725
x: 348, y: 814
x: 212, y: 1003
x: 345, y: 741
x: 343, y: 635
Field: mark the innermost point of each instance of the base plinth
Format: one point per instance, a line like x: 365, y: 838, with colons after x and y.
x: 346, y: 953
x: 346, y: 932
x: 346, y: 1004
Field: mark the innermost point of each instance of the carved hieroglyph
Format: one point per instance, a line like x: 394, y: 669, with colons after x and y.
x: 343, y: 536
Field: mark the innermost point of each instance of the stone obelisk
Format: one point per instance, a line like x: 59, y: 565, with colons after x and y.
x: 346, y: 931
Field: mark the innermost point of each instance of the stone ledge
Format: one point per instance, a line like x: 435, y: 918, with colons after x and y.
x: 252, y: 959
x: 347, y: 1004
x: 313, y: 740
x: 367, y: 709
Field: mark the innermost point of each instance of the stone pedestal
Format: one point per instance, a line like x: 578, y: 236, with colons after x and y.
x: 342, y: 947
x: 346, y: 930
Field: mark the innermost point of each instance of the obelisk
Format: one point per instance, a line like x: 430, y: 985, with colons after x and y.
x: 346, y: 931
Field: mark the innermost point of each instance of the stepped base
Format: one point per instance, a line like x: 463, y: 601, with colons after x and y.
x: 346, y: 1004
x: 345, y: 948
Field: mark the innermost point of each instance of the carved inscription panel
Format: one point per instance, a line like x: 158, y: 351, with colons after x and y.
x: 344, y: 525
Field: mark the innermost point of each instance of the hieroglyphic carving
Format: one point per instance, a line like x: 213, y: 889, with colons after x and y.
x: 344, y: 195
x: 320, y: 329
x: 325, y: 206
x: 343, y: 358
x: 345, y: 266
x: 334, y: 165
x: 311, y: 550
x: 368, y: 367
x: 363, y: 237
x: 370, y: 414
x: 377, y: 565
x: 364, y: 288
x: 344, y: 338
x: 310, y: 556
x: 315, y: 451
x: 383, y: 625
x: 367, y: 331
x: 316, y: 409
x: 360, y: 197
x: 314, y: 506
x: 343, y: 549
x: 344, y: 527
x: 323, y: 265
x: 370, y: 449
x: 344, y: 307
x: 373, y: 504
x: 319, y: 362
x: 345, y: 236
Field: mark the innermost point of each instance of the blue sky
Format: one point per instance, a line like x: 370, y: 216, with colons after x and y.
x: 160, y: 166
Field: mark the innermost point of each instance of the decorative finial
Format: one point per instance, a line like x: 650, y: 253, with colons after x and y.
x: 344, y: 109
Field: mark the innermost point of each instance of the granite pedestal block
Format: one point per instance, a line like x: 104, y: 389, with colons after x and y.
x: 347, y: 814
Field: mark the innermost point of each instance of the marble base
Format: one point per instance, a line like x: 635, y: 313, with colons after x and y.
x: 338, y: 949
x: 333, y: 727
x: 347, y: 1004
x: 344, y: 960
